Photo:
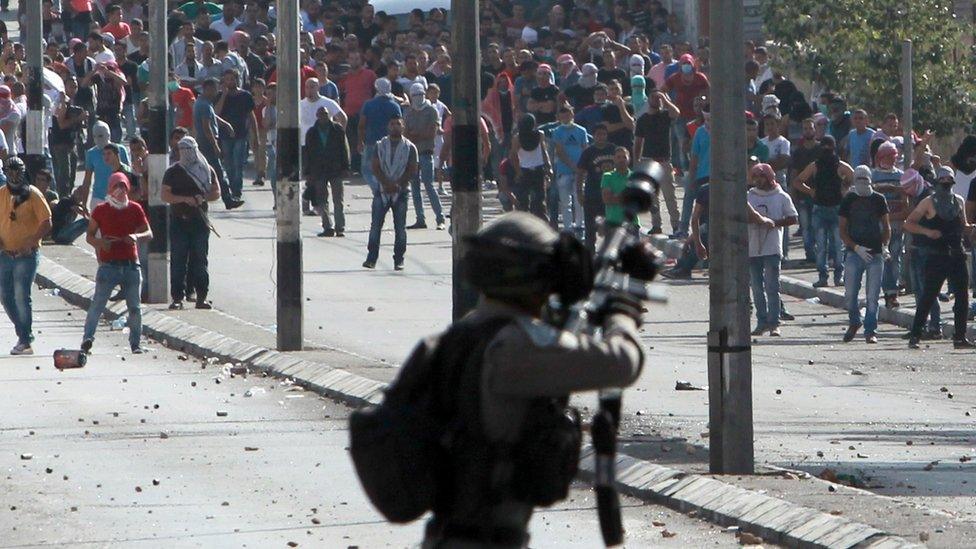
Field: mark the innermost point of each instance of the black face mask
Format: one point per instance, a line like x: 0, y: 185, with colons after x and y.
x: 827, y: 154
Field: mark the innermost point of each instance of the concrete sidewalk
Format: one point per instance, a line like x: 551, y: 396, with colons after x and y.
x: 794, y: 509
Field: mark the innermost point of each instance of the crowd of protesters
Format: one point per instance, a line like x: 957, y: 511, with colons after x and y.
x: 575, y: 93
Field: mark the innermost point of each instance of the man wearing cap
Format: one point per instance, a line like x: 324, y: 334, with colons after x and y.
x: 373, y: 125
x: 116, y: 226
x: 569, y: 73
x: 687, y: 84
x: 25, y: 219
x: 865, y: 231
x: 421, y: 121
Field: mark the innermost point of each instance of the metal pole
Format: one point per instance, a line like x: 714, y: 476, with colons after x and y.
x: 466, y: 166
x: 158, y: 267
x: 729, y: 353
x: 288, y: 197
x: 31, y: 35
x: 907, y: 100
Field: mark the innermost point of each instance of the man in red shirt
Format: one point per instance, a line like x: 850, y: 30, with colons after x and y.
x: 182, y: 98
x: 684, y: 86
x: 116, y: 226
x: 116, y: 27
x: 357, y: 89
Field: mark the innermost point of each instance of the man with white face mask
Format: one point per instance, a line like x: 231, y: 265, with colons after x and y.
x: 865, y: 231
x: 421, y: 121
x: 116, y: 226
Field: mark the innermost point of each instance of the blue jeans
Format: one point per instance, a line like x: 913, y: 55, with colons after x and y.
x: 679, y: 136
x: 217, y: 164
x: 764, y: 279
x: 425, y: 176
x: 189, y: 241
x: 272, y: 167
x: 70, y: 232
x: 804, y: 209
x: 688, y: 202
x: 16, y: 279
x: 381, y: 205
x: 366, y: 168
x: 856, y: 267
x: 918, y: 257
x: 110, y: 275
x: 892, y: 267
x: 689, y: 255
x: 569, y: 204
x: 825, y: 222
x: 235, y: 156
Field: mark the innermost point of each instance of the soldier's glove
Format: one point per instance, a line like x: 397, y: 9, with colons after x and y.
x: 621, y: 303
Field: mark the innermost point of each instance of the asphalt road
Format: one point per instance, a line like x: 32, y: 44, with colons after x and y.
x: 133, y: 451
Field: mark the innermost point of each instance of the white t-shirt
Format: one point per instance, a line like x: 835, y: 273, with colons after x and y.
x: 307, y: 110
x: 961, y: 187
x: 226, y: 30
x: 777, y: 147
x: 776, y: 205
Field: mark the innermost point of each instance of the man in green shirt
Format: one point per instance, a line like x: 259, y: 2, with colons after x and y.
x: 756, y: 147
x: 613, y: 184
x: 193, y: 7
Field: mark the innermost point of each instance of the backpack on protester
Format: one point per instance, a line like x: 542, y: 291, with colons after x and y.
x: 407, y: 450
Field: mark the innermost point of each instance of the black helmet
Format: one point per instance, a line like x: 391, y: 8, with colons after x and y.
x: 519, y: 255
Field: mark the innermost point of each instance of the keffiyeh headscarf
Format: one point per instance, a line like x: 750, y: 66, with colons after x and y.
x: 195, y: 164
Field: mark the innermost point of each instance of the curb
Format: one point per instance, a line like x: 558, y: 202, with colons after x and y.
x: 771, y: 518
x: 802, y: 289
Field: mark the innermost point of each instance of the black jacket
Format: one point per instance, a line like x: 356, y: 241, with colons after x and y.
x: 325, y: 159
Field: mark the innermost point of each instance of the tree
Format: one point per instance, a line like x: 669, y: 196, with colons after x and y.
x: 854, y: 47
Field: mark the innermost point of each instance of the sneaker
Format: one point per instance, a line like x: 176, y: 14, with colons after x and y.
x: 328, y: 233
x: 340, y: 234
x: 870, y: 338
x: 441, y: 226
x: 932, y: 335
x: 676, y: 274
x: 204, y: 305
x: 943, y: 297
x: 398, y: 266
x: 851, y: 332
x: 784, y: 315
x: 86, y: 346
x: 259, y: 182
x: 775, y: 332
x: 234, y: 203
x: 838, y: 280
x: 138, y: 350
x: 913, y: 342
x: 956, y: 344
x: 655, y: 231
x: 891, y: 302
x: 822, y: 283
x: 191, y: 295
x: 176, y: 306
x: 760, y: 330
x: 119, y: 296
x: 22, y: 349
x: 418, y: 225
x: 369, y: 264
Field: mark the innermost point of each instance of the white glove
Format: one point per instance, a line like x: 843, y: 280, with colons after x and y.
x: 863, y: 253
x: 885, y: 253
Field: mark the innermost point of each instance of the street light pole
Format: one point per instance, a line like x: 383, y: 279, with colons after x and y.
x: 31, y: 34
x: 729, y: 351
x: 287, y: 195
x: 158, y: 264
x: 465, y: 183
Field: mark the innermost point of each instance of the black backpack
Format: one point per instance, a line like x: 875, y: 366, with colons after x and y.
x: 421, y: 448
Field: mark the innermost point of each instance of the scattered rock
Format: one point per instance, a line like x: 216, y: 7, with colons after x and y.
x: 857, y: 373
x: 225, y: 504
x: 908, y: 443
x: 686, y: 386
x: 250, y: 449
x: 944, y: 389
x: 26, y: 457
x: 292, y: 544
x: 668, y: 534
x: 745, y: 538
x: 923, y: 536
x: 657, y: 523
x: 949, y: 395
x: 836, y: 512
x: 182, y: 357
x: 221, y: 413
x: 138, y: 488
x: 155, y: 482
x: 315, y: 520
x: 370, y: 309
x: 862, y: 456
x: 964, y: 459
x: 831, y: 488
x: 930, y: 466
x: 163, y: 435
x: 820, y: 454
x: 779, y: 391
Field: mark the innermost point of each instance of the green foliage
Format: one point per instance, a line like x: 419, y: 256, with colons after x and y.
x: 854, y: 46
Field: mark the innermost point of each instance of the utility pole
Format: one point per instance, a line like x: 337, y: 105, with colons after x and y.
x: 907, y: 100
x: 36, y: 132
x: 158, y: 266
x: 466, y: 165
x: 288, y: 197
x: 729, y: 352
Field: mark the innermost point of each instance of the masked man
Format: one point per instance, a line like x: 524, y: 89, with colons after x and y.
x: 24, y: 220
x: 939, y: 225
x: 865, y: 230
x: 116, y: 227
